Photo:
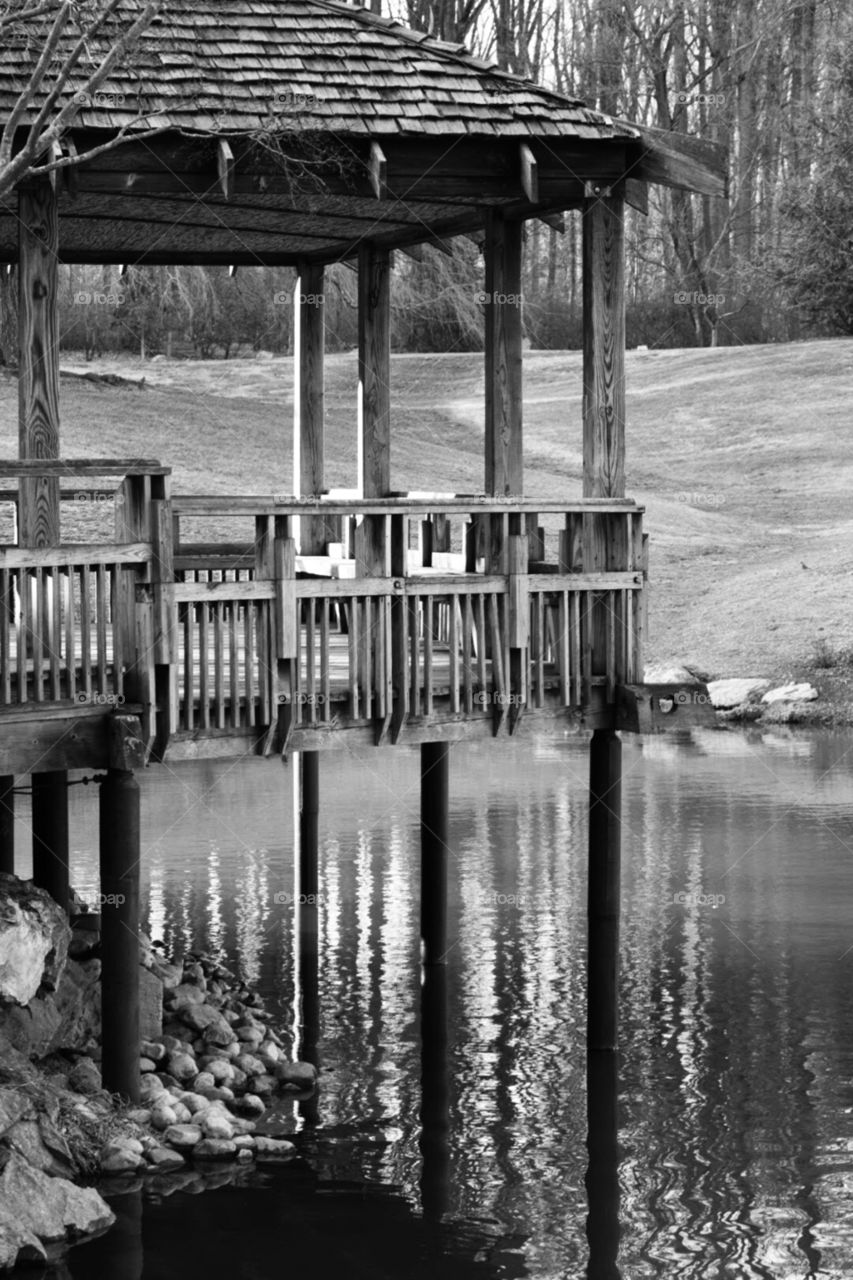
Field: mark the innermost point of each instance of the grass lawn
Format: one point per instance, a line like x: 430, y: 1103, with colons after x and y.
x: 742, y: 457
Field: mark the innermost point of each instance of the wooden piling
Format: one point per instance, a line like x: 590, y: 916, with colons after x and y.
x: 7, y: 823
x: 50, y: 834
x: 119, y: 857
x: 435, y: 796
x: 602, y: 1173
x: 435, y: 1094
x: 605, y: 829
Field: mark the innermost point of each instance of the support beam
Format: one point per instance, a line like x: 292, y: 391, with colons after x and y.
x: 50, y: 834
x: 605, y: 847
x: 377, y: 168
x: 38, y: 346
x: 529, y: 173
x: 308, y: 910
x: 374, y: 382
x: 119, y: 865
x: 504, y: 457
x: 309, y: 400
x: 435, y: 797
x: 225, y: 168
x: 435, y: 1095
x: 603, y: 1229
x: 7, y: 823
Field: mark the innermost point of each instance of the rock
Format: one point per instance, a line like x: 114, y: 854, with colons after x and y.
x: 668, y: 673
x: 34, y: 938
x: 183, y: 1137
x: 220, y: 1033
x: 68, y: 1018
x: 17, y: 1245
x: 733, y: 693
x: 146, y: 1065
x: 193, y: 1102
x: 26, y: 1138
x: 249, y: 1105
x: 222, y: 1070
x: 204, y: 1080
x: 183, y: 995
x: 162, y: 1117
x: 215, y: 1149
x: 274, y: 1149
x: 150, y: 1004
x: 173, y: 1044
x: 269, y: 1053
x: 239, y: 1079
x: 206, y: 1022
x: 84, y: 1077
x: 14, y: 1106
x: 216, y: 1125
x: 302, y: 1074
x: 245, y: 1155
x: 140, y: 1115
x: 250, y: 1035
x: 150, y: 1088
x: 244, y: 1142
x: 164, y: 1160
x: 122, y: 1155
x: 170, y: 975
x: 154, y: 1050
x: 182, y: 1066
x: 242, y: 1125
x: 183, y: 1115
x: 264, y: 1086
x: 250, y: 1064
x: 49, y: 1208
x: 791, y: 693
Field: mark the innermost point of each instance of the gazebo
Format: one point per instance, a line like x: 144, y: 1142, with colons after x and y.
x: 306, y: 133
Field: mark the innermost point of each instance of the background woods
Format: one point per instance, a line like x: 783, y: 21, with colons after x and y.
x: 771, y: 79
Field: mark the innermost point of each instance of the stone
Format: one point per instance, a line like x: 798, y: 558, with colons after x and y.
x: 264, y: 1086
x: 269, y: 1053
x: 244, y: 1142
x: 249, y: 1105
x: 193, y: 1102
x: 14, y: 1106
x: 274, y: 1149
x: 49, y: 1208
x: 734, y: 693
x: 302, y: 1074
x: 215, y: 1149
x: 669, y: 673
x: 150, y: 1088
x: 34, y: 938
x: 216, y: 1125
x: 243, y: 1125
x: 170, y: 975
x: 154, y: 1050
x: 250, y: 1064
x: 164, y: 1160
x: 250, y: 1035
x: 27, y: 1139
x: 790, y: 693
x: 121, y: 1162
x: 150, y: 1004
x: 182, y: 1066
x: 17, y: 1245
x: 146, y: 1065
x: 184, y: 994
x: 183, y: 1137
x: 204, y: 1080
x: 183, y: 1115
x: 222, y: 1070
x: 245, y: 1155
x: 162, y: 1117
x: 139, y: 1115
x: 84, y: 1077
x: 219, y: 1033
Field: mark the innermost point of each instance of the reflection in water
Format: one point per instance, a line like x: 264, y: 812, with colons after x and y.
x: 736, y: 1064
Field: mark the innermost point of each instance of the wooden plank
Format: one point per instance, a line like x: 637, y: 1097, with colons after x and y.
x: 85, y: 631
x: 679, y: 160
x: 519, y: 608
x: 204, y: 665
x: 234, y: 663
x: 453, y: 642
x: 529, y: 173
x: 218, y: 661
x: 353, y: 650
x: 603, y: 349
x: 236, y: 505
x: 225, y: 165
x: 6, y: 623
x: 248, y: 661
x: 75, y: 553
x: 38, y: 360
x: 637, y: 195
x: 286, y: 608
x: 31, y: 467
x: 162, y: 577
x: 428, y: 671
x: 37, y: 629
x: 53, y: 603
x: 377, y: 168
x: 188, y: 719
x: 503, y: 358
x: 374, y: 369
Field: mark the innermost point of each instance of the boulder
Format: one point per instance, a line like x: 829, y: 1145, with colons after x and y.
x: 164, y: 1160
x: 274, y: 1149
x: 26, y: 1138
x: 68, y: 1018
x: 668, y: 673
x: 122, y: 1155
x: 14, y: 1106
x: 84, y: 1077
x: 184, y: 994
x: 50, y: 1208
x: 215, y: 1124
x: 182, y: 1066
x: 215, y: 1149
x: 301, y: 1074
x: 249, y: 1105
x: 183, y: 1137
x: 17, y: 1245
x: 790, y: 693
x: 34, y: 938
x: 733, y: 693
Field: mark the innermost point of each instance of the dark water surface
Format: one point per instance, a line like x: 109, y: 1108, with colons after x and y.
x: 735, y: 1092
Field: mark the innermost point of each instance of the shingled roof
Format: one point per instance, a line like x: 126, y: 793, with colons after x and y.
x: 235, y: 65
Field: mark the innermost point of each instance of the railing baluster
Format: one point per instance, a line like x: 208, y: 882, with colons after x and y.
x: 413, y: 606
x: 203, y: 664
x: 116, y: 573
x: 467, y: 654
x: 482, y: 678
x: 86, y: 630
x: 101, y: 616
x: 53, y: 606
x: 612, y: 618
x: 577, y: 651
x: 6, y: 598
x: 234, y: 664
x: 38, y: 636
x: 429, y: 677
x: 563, y: 649
x: 541, y: 641
x: 189, y: 665
x: 454, y: 654
x: 218, y: 661
x: 353, y: 654
x: 23, y: 631
x: 325, y: 648
x: 248, y: 659
x: 311, y: 662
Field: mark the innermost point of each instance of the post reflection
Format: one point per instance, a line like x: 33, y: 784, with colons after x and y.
x: 435, y: 1093
x: 602, y: 1175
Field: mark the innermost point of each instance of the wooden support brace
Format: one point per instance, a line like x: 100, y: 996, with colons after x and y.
x: 286, y: 614
x: 529, y: 173
x: 378, y: 170
x: 225, y: 168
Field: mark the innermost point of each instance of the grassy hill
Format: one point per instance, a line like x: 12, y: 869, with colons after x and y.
x: 742, y: 457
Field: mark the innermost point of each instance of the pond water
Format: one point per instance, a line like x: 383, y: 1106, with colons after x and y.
x: 735, y: 1084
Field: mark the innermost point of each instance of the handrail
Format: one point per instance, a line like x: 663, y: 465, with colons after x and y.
x: 73, y: 553
x: 266, y: 505
x: 28, y: 468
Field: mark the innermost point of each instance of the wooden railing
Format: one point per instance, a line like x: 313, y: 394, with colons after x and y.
x: 446, y: 609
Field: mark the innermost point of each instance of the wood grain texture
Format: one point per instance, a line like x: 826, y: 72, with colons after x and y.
x: 504, y: 447
x: 603, y: 348
x: 311, y: 414
x: 374, y: 368
x: 38, y: 346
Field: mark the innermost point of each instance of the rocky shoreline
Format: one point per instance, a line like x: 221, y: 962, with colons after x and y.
x: 211, y: 1063
x: 750, y: 699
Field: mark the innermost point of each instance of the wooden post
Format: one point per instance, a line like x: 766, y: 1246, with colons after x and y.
x: 38, y: 373
x: 503, y: 335
x: 374, y: 380
x: 602, y: 1175
x: 309, y: 400
x: 605, y: 830
x: 604, y: 537
x: 435, y: 1094
x: 435, y: 794
x: 50, y: 834
x: 308, y: 906
x: 119, y: 862
x: 7, y: 823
